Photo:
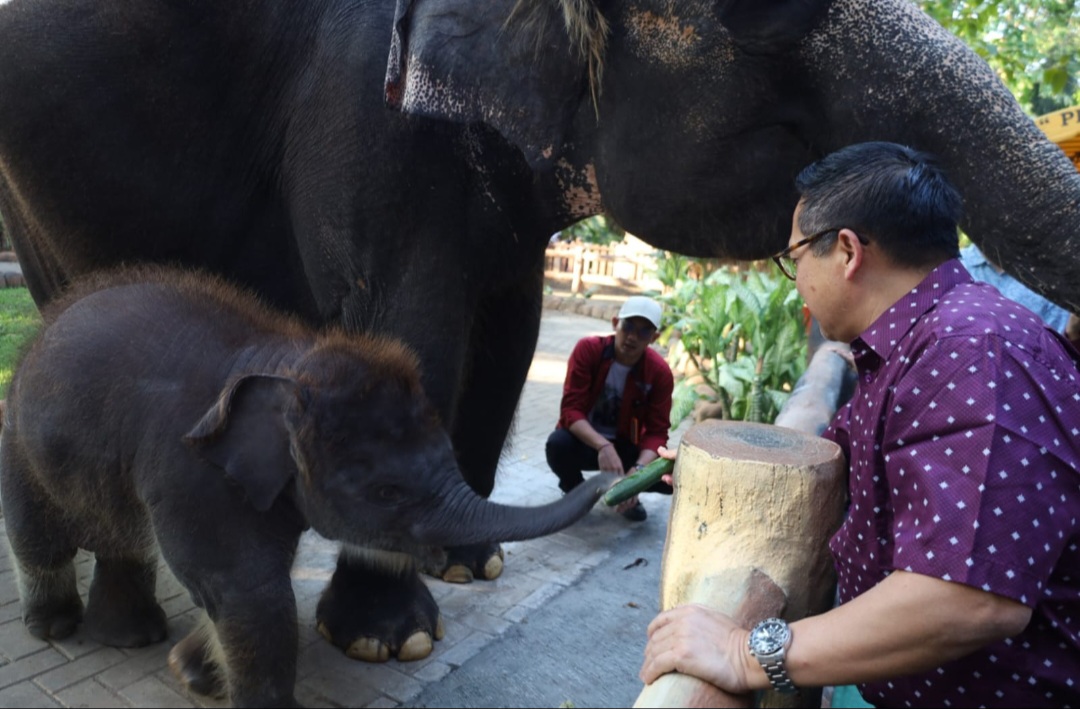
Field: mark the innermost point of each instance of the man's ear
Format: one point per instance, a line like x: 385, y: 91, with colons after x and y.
x: 615, y: 323
x: 852, y: 248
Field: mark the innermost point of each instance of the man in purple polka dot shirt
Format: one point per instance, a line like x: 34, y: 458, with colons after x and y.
x: 958, y: 563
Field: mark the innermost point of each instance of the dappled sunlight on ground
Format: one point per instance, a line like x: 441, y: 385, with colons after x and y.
x: 547, y: 371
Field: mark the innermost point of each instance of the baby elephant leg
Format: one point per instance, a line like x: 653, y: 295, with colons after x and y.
x: 44, y: 555
x: 122, y: 610
x: 248, y: 652
x: 259, y: 642
x: 51, y: 606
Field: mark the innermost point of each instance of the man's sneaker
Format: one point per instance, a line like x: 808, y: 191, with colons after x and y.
x: 636, y: 513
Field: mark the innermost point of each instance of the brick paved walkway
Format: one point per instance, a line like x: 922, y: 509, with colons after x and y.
x: 80, y: 673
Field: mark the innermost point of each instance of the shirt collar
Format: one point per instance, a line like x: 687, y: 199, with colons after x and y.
x: 608, y: 352
x: 891, y: 326
x: 971, y: 256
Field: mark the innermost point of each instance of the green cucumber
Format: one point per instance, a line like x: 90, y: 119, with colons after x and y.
x: 638, y: 482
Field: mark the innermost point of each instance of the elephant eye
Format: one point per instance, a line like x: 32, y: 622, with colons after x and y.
x: 388, y: 493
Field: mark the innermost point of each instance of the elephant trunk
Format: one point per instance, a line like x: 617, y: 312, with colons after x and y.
x: 467, y: 518
x: 1019, y: 188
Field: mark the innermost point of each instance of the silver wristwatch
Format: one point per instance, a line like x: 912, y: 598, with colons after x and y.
x: 769, y: 641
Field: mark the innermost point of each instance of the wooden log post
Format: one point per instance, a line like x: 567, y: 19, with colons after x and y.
x: 752, y: 512
x: 579, y: 269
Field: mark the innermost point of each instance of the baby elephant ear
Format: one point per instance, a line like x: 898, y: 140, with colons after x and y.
x: 244, y: 433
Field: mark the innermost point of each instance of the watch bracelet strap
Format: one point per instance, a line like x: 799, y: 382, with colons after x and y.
x: 778, y: 676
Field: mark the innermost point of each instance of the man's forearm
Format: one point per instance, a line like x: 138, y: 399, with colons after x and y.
x: 908, y: 623
x: 588, y: 435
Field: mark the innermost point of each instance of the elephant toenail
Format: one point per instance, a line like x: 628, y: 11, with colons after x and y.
x: 324, y: 631
x: 369, y: 650
x: 458, y: 574
x: 417, y: 647
x: 494, y: 567
x: 440, y: 630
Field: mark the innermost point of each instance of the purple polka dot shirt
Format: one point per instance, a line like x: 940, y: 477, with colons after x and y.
x: 963, y: 438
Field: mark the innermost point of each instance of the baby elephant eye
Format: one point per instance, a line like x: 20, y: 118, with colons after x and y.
x: 388, y: 493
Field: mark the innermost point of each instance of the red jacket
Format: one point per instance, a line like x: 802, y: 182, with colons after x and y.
x: 645, y: 414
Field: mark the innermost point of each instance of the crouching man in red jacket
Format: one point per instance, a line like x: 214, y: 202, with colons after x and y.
x: 616, y: 403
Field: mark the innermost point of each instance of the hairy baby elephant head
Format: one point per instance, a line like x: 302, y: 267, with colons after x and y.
x: 351, y: 436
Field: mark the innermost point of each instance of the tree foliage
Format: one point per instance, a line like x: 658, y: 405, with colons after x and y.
x: 597, y: 229
x: 1033, y: 45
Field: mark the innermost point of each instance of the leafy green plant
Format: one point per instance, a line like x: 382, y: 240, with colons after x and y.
x: 594, y: 230
x: 19, y: 322
x: 672, y: 269
x: 744, y: 333
x: 1033, y: 45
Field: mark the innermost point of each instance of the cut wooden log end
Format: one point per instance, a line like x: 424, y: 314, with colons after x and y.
x: 760, y: 443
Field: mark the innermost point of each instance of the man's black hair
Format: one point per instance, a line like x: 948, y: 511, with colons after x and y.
x: 892, y: 195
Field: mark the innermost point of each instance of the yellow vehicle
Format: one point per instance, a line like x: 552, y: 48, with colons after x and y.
x: 1063, y: 127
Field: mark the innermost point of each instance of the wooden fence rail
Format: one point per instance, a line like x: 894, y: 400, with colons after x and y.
x: 583, y: 265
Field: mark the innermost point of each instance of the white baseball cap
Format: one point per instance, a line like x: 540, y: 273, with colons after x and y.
x: 638, y: 306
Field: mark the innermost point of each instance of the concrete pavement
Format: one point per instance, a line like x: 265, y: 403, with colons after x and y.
x: 564, y: 623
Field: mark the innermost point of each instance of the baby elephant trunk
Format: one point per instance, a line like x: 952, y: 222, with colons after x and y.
x: 467, y: 518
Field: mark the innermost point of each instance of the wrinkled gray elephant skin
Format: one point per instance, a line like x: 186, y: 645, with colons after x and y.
x: 686, y: 120
x: 165, y: 410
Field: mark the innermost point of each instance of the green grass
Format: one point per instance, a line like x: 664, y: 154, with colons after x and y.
x: 19, y: 321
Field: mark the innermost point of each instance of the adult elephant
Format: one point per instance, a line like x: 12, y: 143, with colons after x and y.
x: 686, y: 121
x: 250, y: 138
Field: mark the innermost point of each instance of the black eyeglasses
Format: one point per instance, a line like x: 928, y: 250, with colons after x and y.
x: 789, y: 266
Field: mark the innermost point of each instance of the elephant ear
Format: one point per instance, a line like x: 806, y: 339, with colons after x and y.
x: 770, y: 26
x: 508, y: 64
x: 245, y: 434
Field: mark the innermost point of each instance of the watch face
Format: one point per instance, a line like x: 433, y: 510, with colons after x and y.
x: 769, y: 637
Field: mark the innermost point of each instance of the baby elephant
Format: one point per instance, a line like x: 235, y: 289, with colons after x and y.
x: 165, y: 410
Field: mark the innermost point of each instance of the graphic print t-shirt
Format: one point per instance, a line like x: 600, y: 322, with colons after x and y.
x: 605, y: 415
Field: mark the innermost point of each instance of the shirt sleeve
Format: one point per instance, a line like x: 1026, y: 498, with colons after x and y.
x: 979, y: 465
x: 578, y: 383
x: 658, y: 416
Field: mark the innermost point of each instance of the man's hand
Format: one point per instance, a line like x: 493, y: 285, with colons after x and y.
x: 609, y: 461
x: 670, y: 455
x: 700, y: 642
x: 626, y: 504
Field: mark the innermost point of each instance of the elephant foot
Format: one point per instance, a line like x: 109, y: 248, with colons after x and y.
x: 122, y: 610
x: 463, y: 564
x: 192, y: 663
x: 52, y: 608
x: 55, y: 620
x: 374, y: 615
